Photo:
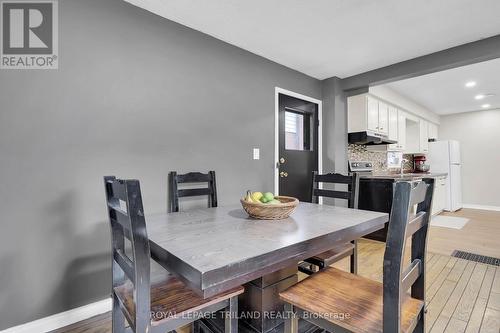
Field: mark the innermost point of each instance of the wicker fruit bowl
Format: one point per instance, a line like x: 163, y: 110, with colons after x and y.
x: 271, y: 212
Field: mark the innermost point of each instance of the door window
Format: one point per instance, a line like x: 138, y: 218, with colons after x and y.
x: 298, y: 131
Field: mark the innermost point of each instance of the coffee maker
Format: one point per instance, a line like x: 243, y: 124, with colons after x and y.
x: 419, y: 164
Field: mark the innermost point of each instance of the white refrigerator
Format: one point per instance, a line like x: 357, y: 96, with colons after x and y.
x: 444, y: 156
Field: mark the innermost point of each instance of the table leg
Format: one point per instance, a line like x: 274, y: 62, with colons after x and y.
x: 260, y: 305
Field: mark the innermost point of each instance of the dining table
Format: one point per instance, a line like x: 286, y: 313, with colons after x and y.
x: 213, y: 250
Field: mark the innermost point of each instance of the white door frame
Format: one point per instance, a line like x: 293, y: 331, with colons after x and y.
x: 278, y: 91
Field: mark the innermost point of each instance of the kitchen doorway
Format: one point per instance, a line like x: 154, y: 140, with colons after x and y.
x: 297, y: 143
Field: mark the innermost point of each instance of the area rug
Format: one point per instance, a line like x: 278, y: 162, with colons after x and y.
x: 449, y: 222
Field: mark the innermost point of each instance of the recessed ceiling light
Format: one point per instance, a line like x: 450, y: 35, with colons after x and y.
x: 482, y: 96
x: 470, y: 84
x: 485, y: 106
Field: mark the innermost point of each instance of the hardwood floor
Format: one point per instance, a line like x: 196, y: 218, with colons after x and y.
x: 97, y: 324
x: 480, y: 235
x: 462, y: 296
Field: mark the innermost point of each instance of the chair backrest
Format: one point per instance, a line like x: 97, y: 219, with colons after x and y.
x: 402, y: 224
x: 351, y: 195
x: 192, y: 177
x: 126, y: 216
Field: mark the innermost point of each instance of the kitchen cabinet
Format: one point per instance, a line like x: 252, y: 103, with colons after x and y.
x: 439, y: 196
x: 424, y: 136
x: 433, y: 131
x: 393, y: 123
x: 397, y: 129
x: 393, y: 128
x: 401, y: 130
x: 383, y: 118
x: 372, y: 114
x: 367, y: 113
x: 412, y: 133
x: 376, y: 194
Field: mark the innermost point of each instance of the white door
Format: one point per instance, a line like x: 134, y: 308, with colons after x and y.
x: 372, y: 114
x: 383, y: 118
x: 455, y: 179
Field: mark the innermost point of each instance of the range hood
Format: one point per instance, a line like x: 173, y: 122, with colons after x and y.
x: 369, y: 139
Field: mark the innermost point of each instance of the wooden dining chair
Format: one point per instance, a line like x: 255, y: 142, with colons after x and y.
x: 341, y: 251
x: 192, y: 177
x: 338, y: 301
x: 150, y: 301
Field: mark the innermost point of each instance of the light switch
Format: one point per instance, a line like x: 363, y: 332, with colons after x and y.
x: 256, y: 154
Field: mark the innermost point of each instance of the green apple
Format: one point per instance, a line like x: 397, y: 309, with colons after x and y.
x: 269, y: 196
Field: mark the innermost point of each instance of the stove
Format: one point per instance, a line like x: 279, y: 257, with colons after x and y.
x: 361, y: 166
x: 374, y: 194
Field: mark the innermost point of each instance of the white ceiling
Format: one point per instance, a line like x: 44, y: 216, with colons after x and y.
x: 445, y: 92
x: 325, y: 38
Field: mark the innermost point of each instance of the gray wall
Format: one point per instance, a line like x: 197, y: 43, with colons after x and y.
x: 334, y: 133
x: 479, y: 136
x: 135, y: 96
x: 335, y: 126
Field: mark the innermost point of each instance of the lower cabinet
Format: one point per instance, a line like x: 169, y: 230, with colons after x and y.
x: 376, y: 194
x: 439, y: 196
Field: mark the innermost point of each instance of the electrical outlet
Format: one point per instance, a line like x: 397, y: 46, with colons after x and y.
x: 256, y: 154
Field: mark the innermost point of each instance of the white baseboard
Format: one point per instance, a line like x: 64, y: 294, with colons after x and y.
x: 483, y: 207
x: 62, y: 319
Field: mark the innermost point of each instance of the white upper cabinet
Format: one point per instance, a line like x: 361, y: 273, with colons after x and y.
x: 393, y: 123
x: 366, y: 113
x: 372, y: 114
x: 412, y: 133
x: 433, y: 131
x: 424, y: 136
x: 401, y: 145
x: 397, y: 129
x: 393, y: 128
x: 383, y: 118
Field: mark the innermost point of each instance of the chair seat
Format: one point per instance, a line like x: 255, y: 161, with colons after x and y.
x: 171, y: 298
x: 332, y: 292
x: 329, y: 257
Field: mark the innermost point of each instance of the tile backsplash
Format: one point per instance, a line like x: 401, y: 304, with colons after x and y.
x: 360, y: 153
x: 379, y: 158
x: 409, y: 162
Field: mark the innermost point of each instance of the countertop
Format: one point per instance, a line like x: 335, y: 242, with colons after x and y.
x: 405, y: 176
